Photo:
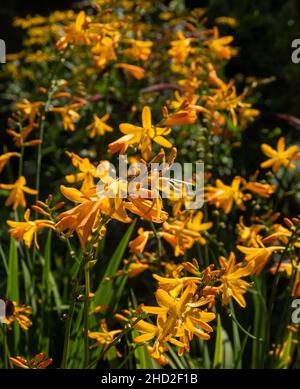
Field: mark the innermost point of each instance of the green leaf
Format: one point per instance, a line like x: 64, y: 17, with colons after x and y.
x: 236, y: 340
x: 106, y: 291
x: 12, y: 291
x: 218, y: 355
x: 287, y: 348
x: 259, y: 329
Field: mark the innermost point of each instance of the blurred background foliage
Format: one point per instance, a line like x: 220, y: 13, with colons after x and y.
x: 264, y: 34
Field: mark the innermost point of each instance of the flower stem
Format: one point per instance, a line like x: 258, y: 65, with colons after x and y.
x: 86, y: 315
x: 67, y: 335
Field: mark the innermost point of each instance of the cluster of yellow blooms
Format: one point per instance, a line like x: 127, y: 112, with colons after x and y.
x: 100, y: 41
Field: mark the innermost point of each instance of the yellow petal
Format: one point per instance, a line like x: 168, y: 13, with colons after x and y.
x: 146, y: 117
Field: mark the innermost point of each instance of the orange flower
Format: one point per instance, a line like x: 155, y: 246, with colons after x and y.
x: 231, y: 283
x: 38, y: 362
x: 103, y: 337
x: 4, y: 158
x: 180, y: 48
x: 136, y: 71
x: 142, y: 136
x: 138, y: 50
x: 99, y: 127
x: 104, y: 51
x: 28, y: 230
x: 182, y: 234
x: 75, y: 33
x: 16, y: 196
x: 121, y: 145
x: 220, y: 46
x: 135, y: 268
x: 30, y: 110
x: 259, y: 255
x: 19, y: 139
x: 69, y: 116
x: 224, y: 196
x: 19, y: 315
x: 248, y: 234
x: 87, y: 172
x: 263, y: 190
x: 180, y: 317
x: 138, y: 245
x: 279, y: 157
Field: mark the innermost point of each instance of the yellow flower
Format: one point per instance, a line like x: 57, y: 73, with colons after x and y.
x: 178, y: 236
x: 16, y: 196
x: 84, y: 217
x: 248, y: 234
x: 139, y: 50
x: 75, y: 33
x: 136, y: 71
x: 28, y: 230
x: 220, y: 46
x: 148, y: 331
x: 135, y: 268
x: 19, y: 315
x: 37, y: 362
x: 104, y: 337
x: 173, y: 285
x: 4, y: 158
x: 104, y: 51
x: 282, y: 234
x: 30, y: 110
x: 69, y: 116
x: 87, y: 172
x: 180, y: 317
x: 231, y: 283
x: 182, y: 234
x: 142, y: 136
x: 263, y: 190
x: 150, y: 210
x: 99, y: 127
x: 279, y: 157
x: 195, y: 224
x: 180, y: 48
x: 259, y: 255
x: 224, y: 196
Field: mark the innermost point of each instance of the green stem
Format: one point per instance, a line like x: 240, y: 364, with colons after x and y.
x: 20, y: 172
x: 274, y: 288
x: 5, y: 355
x: 67, y: 335
x: 116, y: 340
x: 86, y: 315
x: 71, y: 310
x: 159, y: 243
